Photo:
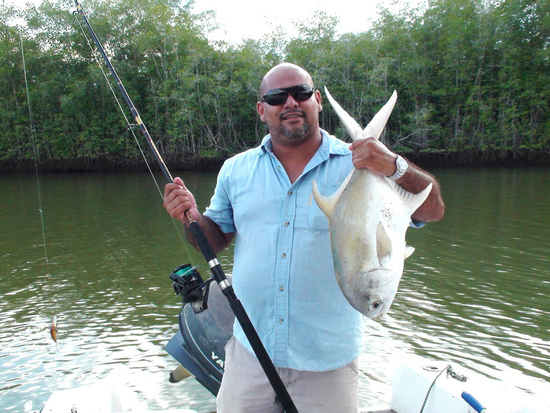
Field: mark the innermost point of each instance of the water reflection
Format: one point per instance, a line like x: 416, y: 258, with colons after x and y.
x: 473, y: 294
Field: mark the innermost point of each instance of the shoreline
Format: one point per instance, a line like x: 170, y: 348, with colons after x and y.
x: 424, y: 159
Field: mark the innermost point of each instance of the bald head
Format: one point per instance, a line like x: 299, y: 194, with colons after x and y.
x: 294, y: 122
x: 284, y: 73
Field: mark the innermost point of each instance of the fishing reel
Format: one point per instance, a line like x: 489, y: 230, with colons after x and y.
x: 188, y: 283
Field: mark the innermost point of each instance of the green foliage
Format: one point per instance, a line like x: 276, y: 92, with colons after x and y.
x: 470, y: 74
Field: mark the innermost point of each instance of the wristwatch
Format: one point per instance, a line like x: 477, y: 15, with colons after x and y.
x: 402, y: 166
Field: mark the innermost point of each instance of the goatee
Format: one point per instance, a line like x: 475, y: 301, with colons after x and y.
x: 291, y: 136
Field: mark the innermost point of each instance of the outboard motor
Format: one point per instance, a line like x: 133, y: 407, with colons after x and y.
x: 206, y: 325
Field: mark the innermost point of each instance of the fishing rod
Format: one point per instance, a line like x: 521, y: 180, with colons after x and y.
x: 206, y: 249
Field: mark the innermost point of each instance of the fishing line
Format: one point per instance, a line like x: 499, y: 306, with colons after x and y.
x: 53, y: 327
x: 450, y: 372
x: 35, y: 148
x: 130, y: 126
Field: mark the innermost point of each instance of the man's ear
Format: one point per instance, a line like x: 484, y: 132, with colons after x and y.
x: 319, y: 100
x: 260, y: 109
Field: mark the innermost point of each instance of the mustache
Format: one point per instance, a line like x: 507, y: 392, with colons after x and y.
x: 292, y: 111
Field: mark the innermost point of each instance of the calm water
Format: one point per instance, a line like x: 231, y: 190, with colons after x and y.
x: 475, y: 293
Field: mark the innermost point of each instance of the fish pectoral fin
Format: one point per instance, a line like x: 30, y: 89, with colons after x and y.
x: 383, y: 245
x: 378, y: 123
x: 408, y: 251
x: 355, y: 131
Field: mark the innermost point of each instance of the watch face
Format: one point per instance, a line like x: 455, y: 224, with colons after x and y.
x: 401, y: 167
x: 401, y: 164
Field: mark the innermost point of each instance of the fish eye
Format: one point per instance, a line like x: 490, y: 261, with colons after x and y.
x: 376, y: 304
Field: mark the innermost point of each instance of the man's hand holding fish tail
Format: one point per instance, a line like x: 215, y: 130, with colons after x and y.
x: 372, y: 154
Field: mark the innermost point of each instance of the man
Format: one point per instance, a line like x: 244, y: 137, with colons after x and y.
x: 283, y: 271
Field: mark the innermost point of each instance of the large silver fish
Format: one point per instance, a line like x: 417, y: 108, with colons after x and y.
x: 368, y: 218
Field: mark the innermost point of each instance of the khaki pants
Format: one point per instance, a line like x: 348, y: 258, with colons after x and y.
x: 246, y: 389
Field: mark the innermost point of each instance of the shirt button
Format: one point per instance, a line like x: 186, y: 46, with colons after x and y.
x: 281, y: 321
x: 289, y: 193
x: 287, y: 224
x: 281, y: 288
x: 283, y: 255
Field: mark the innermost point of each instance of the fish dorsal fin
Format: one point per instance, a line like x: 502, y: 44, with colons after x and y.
x: 378, y: 123
x: 408, y: 251
x: 327, y: 203
x: 355, y: 131
x: 383, y: 245
x: 413, y: 201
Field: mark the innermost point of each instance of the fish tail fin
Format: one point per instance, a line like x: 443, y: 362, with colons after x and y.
x: 378, y: 123
x: 355, y: 131
x: 375, y: 126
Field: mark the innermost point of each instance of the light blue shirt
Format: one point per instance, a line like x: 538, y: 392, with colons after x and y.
x: 283, y: 270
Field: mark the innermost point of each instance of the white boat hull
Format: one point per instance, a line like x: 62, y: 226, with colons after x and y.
x: 420, y: 381
x: 105, y: 396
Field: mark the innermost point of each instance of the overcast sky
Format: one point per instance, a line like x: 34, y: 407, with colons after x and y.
x: 252, y: 18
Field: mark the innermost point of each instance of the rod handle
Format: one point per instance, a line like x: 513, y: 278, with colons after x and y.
x: 202, y: 241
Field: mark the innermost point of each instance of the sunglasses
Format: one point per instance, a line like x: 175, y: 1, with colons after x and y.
x: 300, y: 93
